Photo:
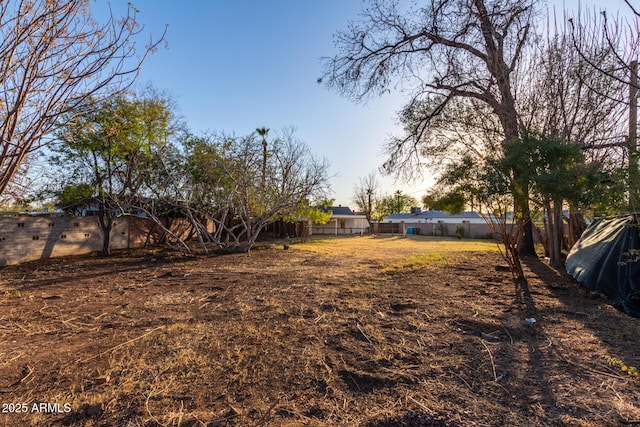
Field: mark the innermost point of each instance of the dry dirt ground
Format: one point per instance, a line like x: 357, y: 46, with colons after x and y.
x: 365, y: 331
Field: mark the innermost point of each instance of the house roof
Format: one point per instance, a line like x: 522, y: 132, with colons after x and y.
x: 433, y: 215
x: 337, y: 210
x: 341, y: 212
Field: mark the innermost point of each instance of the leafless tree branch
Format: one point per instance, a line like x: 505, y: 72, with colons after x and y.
x: 54, y: 56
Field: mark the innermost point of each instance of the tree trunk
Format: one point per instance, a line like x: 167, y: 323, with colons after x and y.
x: 559, y: 232
x: 197, y: 229
x: 541, y: 235
x: 526, y: 247
x: 548, y: 228
x: 550, y: 231
x: 106, y: 224
x: 520, y: 190
x: 554, y: 213
x: 576, y: 227
x: 521, y: 207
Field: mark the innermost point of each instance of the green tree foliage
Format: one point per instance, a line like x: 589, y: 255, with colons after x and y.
x: 396, y: 203
x: 305, y: 212
x: 72, y: 198
x: 556, y: 173
x: 314, y: 214
x: 105, y: 155
x: 452, y: 202
x: 493, y: 186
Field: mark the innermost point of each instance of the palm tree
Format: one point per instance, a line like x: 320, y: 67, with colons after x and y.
x: 263, y: 133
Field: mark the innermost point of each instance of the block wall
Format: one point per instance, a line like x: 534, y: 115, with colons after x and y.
x: 144, y: 231
x: 26, y: 238
x: 472, y: 231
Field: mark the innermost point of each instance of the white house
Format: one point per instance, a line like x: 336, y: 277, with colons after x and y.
x: 426, y: 217
x: 343, y: 221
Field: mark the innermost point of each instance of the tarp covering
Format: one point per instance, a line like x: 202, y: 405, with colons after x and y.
x: 606, y: 259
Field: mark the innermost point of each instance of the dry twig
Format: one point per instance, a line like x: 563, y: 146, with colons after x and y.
x: 265, y: 417
x: 363, y: 334
x: 493, y: 365
x: 120, y: 345
x: 420, y: 405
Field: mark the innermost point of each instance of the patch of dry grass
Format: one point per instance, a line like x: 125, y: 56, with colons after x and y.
x: 402, y: 245
x: 397, y: 252
x: 337, y: 332
x: 431, y: 259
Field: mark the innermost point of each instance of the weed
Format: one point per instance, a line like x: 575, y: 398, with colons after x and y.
x: 12, y: 293
x: 630, y: 370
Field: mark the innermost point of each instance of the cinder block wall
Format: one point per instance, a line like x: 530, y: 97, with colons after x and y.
x: 141, y: 231
x: 144, y: 231
x: 26, y: 238
x: 472, y: 231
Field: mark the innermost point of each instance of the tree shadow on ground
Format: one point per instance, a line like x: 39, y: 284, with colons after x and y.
x: 98, y: 266
x: 604, y: 326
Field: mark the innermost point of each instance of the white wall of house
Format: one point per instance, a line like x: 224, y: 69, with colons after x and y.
x: 413, y: 219
x: 446, y: 220
x: 459, y: 220
x: 407, y: 220
x: 341, y: 225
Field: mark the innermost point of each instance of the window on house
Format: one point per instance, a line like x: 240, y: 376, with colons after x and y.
x: 343, y: 224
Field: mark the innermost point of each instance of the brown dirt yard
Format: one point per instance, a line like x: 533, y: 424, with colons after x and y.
x: 361, y: 331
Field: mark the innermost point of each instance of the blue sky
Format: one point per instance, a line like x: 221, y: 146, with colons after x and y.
x: 236, y: 65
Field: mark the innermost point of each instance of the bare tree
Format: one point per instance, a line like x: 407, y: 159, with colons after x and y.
x: 589, y: 32
x: 54, y: 56
x: 566, y: 103
x: 443, y: 51
x: 366, y: 194
x: 220, y: 182
x: 562, y: 98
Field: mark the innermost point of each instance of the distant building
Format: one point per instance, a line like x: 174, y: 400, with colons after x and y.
x: 425, y: 217
x: 343, y: 221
